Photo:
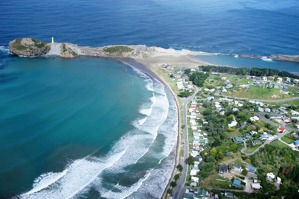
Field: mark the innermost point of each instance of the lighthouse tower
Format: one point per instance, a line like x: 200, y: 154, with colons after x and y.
x: 52, y: 40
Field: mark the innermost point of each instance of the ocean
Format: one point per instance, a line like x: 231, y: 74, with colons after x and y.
x: 99, y: 128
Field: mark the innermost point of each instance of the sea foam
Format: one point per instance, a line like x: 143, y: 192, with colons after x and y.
x: 135, y: 146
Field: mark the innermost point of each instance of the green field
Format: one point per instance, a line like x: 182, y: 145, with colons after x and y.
x: 251, y: 149
x: 216, y: 181
x: 287, y: 140
x: 279, y: 144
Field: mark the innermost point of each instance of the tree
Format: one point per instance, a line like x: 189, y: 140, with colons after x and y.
x: 244, y: 172
x: 179, y: 167
x: 176, y: 177
x: 187, y: 71
x: 190, y: 160
x: 173, y: 184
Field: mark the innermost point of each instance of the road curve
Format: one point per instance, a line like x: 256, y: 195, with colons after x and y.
x: 179, y: 191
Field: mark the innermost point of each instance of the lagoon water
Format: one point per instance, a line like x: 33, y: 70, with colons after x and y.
x: 96, y: 128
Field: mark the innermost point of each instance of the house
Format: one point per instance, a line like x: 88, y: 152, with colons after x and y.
x: 281, y: 130
x: 260, y: 109
x: 237, y: 183
x: 254, y: 118
x: 283, y: 110
x: 255, y: 142
x: 264, y: 78
x: 202, y: 194
x: 228, y: 86
x: 265, y: 136
x: 180, y: 85
x: 233, y: 124
x: 296, y: 113
x: 296, y: 81
x: 270, y: 177
x: 267, y: 110
x: 279, y: 80
x: 256, y: 186
x: 223, y: 168
x: 296, y: 143
x: 247, y: 136
x: 284, y: 88
x: 250, y: 168
x: 238, y: 139
x: 228, y: 195
x: 297, y: 125
x: 244, y: 86
x: 295, y: 136
x: 253, y: 133
x: 275, y: 115
x: 237, y: 168
x: 286, y: 120
x: 194, y: 179
x: 235, y: 110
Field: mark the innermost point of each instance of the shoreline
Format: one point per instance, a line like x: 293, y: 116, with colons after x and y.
x: 154, y: 75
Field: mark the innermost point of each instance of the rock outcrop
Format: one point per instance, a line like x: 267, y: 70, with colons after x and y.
x: 28, y: 47
x: 67, y: 52
x: 291, y: 58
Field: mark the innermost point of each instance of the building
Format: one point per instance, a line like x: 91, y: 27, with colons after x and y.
x: 265, y: 136
x: 250, y: 168
x: 223, y: 168
x: 286, y: 120
x: 255, y: 142
x: 237, y: 183
x: 281, y: 130
x: 256, y: 186
x: 233, y: 124
x: 237, y: 139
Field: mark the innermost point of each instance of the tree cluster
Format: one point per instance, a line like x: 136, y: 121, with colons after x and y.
x: 248, y: 71
x: 198, y: 78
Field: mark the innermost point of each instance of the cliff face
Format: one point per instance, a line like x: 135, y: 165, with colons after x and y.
x: 28, y: 47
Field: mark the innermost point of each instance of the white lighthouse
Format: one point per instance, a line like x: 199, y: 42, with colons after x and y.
x: 52, y: 40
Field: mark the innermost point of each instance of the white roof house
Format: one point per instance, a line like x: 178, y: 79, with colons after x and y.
x: 233, y: 124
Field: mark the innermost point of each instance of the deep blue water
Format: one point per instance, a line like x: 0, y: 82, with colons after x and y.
x: 95, y: 127
x: 231, y: 26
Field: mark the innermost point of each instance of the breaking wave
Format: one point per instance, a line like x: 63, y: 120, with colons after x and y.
x: 144, y: 156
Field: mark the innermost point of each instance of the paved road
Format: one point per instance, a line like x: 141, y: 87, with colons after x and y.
x: 261, y: 100
x: 262, y: 117
x: 179, y: 190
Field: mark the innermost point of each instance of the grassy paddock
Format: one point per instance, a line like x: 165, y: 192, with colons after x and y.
x: 279, y: 144
x: 287, y: 140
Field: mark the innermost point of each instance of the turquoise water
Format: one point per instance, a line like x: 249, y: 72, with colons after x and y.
x: 82, y: 122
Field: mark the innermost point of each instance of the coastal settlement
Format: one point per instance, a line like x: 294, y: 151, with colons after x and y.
x: 238, y: 132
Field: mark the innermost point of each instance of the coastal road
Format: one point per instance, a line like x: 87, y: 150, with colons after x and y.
x: 179, y: 190
x: 261, y: 100
x: 263, y: 118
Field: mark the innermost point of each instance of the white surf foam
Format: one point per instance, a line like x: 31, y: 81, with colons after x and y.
x: 264, y: 58
x: 78, y: 176
x: 45, y: 180
x: 125, y: 191
x: 81, y: 174
x: 4, y: 50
